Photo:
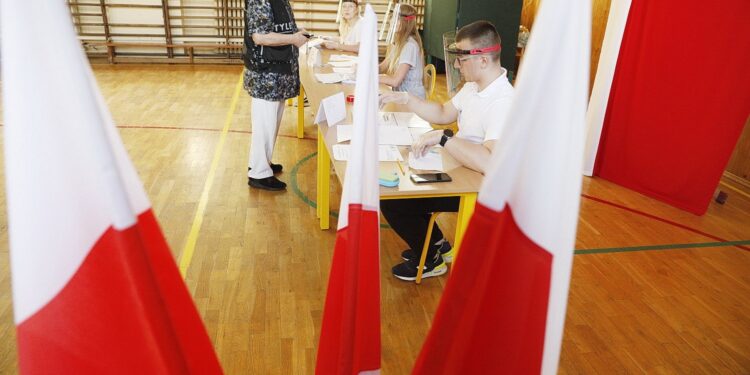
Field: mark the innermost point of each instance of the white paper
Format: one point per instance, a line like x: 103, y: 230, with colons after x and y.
x: 410, y: 120
x: 417, y: 132
x: 385, y: 153
x: 342, y: 64
x: 332, y: 109
x: 386, y: 119
x: 315, y: 43
x: 329, y: 77
x: 344, y: 70
x: 344, y: 133
x: 342, y: 58
x: 433, y: 161
x: 394, y: 135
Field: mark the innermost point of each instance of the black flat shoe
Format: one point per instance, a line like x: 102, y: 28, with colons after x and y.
x: 276, y: 168
x: 269, y: 183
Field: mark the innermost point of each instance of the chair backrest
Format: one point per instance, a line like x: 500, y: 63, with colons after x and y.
x: 430, y: 76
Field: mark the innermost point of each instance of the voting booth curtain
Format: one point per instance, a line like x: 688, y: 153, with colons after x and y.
x: 679, y: 99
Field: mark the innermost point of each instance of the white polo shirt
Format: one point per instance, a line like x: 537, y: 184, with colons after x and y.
x: 354, y: 34
x: 481, y: 114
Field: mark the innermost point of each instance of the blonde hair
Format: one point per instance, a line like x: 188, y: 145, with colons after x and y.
x: 406, y: 29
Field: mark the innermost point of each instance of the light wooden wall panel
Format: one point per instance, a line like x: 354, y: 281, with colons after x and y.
x: 599, y: 13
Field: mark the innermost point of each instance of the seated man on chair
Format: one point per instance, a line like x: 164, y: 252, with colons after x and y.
x: 480, y: 108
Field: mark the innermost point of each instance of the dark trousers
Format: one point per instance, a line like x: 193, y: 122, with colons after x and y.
x: 410, y: 218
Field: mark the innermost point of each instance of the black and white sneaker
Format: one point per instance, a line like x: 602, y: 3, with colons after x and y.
x: 269, y: 183
x: 408, y: 270
x: 445, y: 250
x: 276, y: 168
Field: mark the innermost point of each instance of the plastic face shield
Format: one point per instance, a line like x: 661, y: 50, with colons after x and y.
x: 340, y: 14
x: 452, y: 53
x: 395, y: 22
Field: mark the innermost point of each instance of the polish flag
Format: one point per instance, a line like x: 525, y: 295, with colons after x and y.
x: 95, y: 288
x: 350, y: 334
x: 503, y: 308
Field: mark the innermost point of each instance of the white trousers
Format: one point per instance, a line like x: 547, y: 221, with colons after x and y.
x: 266, y: 118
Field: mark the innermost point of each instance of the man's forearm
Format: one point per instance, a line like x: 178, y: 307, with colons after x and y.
x: 470, y: 155
x: 272, y: 39
x: 431, y: 112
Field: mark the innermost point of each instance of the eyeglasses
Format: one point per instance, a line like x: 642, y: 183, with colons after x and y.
x: 460, y: 60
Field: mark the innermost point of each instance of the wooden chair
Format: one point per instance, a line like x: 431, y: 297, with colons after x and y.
x: 423, y: 258
x: 430, y: 76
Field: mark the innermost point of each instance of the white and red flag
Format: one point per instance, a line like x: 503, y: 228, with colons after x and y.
x: 503, y: 308
x: 95, y: 287
x: 350, y: 332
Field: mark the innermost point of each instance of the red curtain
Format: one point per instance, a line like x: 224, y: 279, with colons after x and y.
x: 679, y: 100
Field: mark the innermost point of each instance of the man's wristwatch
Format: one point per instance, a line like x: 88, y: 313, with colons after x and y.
x: 447, y: 134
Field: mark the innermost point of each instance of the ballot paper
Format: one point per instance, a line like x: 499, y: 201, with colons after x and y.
x: 385, y: 153
x: 344, y: 71
x: 329, y: 77
x: 332, y: 109
x: 315, y: 43
x: 410, y: 120
x: 417, y: 132
x: 342, y: 58
x: 386, y: 119
x: 433, y: 161
x: 387, y: 135
x: 342, y: 64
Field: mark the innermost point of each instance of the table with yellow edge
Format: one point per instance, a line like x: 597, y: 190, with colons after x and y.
x: 465, y: 184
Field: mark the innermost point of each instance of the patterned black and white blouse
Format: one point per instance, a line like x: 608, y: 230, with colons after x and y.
x: 269, y: 86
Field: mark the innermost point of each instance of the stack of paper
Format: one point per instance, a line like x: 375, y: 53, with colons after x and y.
x: 329, y: 77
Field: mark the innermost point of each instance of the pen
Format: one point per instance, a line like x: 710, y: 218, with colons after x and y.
x: 400, y: 167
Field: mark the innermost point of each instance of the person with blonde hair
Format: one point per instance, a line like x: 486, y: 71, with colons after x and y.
x: 349, y: 28
x: 404, y: 60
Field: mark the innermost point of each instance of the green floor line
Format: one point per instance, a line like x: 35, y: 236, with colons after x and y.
x: 661, y: 247
x: 303, y: 197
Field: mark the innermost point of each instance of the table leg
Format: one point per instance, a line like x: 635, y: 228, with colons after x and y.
x: 465, y: 210
x: 301, y: 113
x: 324, y: 182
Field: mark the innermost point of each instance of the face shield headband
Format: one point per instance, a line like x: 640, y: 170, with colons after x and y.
x: 452, y: 49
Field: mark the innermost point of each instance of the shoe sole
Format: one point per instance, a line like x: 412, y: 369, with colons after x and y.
x: 447, y: 257
x: 437, y: 271
x: 264, y: 187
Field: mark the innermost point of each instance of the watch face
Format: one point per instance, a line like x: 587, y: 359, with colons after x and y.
x: 448, y: 132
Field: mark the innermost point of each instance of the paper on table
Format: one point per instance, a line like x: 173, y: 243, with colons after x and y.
x: 386, y: 119
x: 394, y: 135
x: 433, y: 161
x: 342, y: 64
x: 344, y: 70
x: 387, y: 135
x: 344, y: 133
x: 332, y: 109
x: 410, y: 120
x: 341, y: 58
x: 417, y: 132
x: 329, y: 77
x: 385, y: 153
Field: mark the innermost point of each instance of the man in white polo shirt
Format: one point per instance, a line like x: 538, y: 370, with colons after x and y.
x: 480, y: 108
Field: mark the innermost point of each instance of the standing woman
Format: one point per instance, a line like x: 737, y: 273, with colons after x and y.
x: 271, y: 76
x: 349, y: 29
x: 404, y: 60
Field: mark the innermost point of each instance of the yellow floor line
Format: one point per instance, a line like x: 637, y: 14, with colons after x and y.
x: 187, y: 253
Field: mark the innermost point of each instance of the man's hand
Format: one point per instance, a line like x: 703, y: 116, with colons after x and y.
x: 394, y: 97
x: 299, y: 39
x: 425, y: 142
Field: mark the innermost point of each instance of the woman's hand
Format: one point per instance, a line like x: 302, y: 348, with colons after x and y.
x: 331, y: 45
x: 298, y: 39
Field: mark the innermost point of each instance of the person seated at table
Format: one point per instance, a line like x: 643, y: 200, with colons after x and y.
x: 480, y: 108
x: 349, y: 28
x: 404, y: 59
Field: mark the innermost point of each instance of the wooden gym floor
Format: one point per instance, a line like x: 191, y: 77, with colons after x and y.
x: 653, y: 290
